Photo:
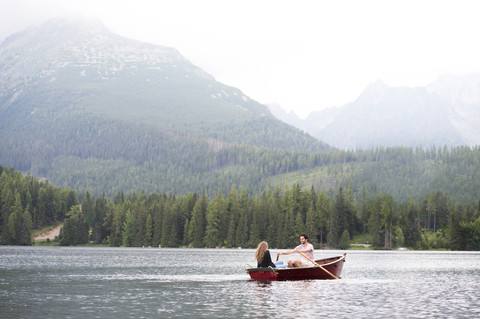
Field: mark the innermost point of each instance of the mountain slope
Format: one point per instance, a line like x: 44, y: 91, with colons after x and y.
x: 91, y: 110
x: 100, y: 72
x: 80, y: 67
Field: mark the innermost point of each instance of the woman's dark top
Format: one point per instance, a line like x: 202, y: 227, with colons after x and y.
x: 267, y: 261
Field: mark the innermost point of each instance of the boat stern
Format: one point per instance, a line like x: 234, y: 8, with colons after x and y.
x: 267, y: 273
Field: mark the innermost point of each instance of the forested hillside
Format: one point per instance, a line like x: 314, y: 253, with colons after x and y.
x: 237, y: 220
x: 401, y: 172
x: 98, y: 156
x: 88, y: 153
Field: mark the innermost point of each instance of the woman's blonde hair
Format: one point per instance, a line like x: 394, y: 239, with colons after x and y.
x: 260, y: 252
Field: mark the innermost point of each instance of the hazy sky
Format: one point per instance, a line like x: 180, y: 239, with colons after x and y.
x: 304, y: 55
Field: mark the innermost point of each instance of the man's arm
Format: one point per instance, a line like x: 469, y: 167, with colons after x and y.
x: 306, y: 250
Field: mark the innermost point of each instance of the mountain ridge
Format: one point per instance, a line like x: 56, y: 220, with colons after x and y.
x: 446, y: 112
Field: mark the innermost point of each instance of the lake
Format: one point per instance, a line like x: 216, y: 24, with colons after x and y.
x: 77, y: 282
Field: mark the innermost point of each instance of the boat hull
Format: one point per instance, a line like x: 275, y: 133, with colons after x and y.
x: 334, y: 265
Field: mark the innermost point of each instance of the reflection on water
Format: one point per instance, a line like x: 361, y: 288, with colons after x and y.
x: 61, y: 282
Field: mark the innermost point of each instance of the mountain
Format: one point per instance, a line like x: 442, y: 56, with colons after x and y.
x: 447, y: 112
x: 80, y: 67
x: 82, y: 63
x: 89, y: 109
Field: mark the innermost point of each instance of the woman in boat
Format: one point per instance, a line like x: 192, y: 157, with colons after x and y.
x: 262, y: 255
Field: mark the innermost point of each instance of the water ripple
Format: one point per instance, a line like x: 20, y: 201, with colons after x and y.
x: 62, y: 282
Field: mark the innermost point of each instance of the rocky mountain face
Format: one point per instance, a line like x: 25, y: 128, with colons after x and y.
x: 447, y: 112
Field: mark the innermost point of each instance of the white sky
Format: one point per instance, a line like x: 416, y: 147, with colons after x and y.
x: 304, y: 55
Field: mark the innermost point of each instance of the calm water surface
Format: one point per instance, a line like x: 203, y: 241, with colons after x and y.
x: 63, y: 282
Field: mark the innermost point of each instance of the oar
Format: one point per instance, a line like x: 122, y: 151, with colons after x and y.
x: 333, y: 276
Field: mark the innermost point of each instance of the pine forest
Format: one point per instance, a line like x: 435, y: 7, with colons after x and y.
x: 236, y: 219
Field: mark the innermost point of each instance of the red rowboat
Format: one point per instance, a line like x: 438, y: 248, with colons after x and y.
x: 329, y: 266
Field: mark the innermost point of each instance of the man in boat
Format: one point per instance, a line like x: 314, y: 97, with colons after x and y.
x: 304, y: 247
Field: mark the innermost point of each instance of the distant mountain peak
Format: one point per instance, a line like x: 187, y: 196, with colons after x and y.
x: 447, y: 112
x: 41, y: 53
x: 374, y: 92
x: 378, y: 85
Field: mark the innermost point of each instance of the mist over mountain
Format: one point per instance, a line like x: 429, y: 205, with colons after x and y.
x: 102, y: 73
x: 447, y: 112
x: 79, y: 103
x: 463, y: 95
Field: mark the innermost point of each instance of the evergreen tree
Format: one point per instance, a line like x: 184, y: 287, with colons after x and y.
x: 100, y: 212
x: 241, y: 236
x: 363, y: 209
x: 71, y: 198
x: 11, y: 233
x: 455, y: 231
x: 322, y: 213
x: 48, y: 205
x: 7, y: 200
x: 148, y: 232
x: 351, y: 219
x: 140, y: 220
x: 344, y: 240
x: 386, y: 212
x: 75, y: 228
x: 186, y: 228
x: 411, y: 229
x: 257, y: 226
x: 88, y: 209
x: 290, y: 231
x: 431, y: 210
x: 109, y: 222
x: 233, y: 216
x: 375, y: 226
x: 338, y: 218
x: 120, y: 214
x: 213, y: 232
x: 157, y: 212
x: 128, y: 229
x: 276, y: 218
x: 270, y: 222
x: 198, y: 222
x: 15, y: 222
x: 473, y: 235
x: 167, y: 222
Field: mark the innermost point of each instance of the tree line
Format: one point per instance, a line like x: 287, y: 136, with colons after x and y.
x: 237, y: 219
